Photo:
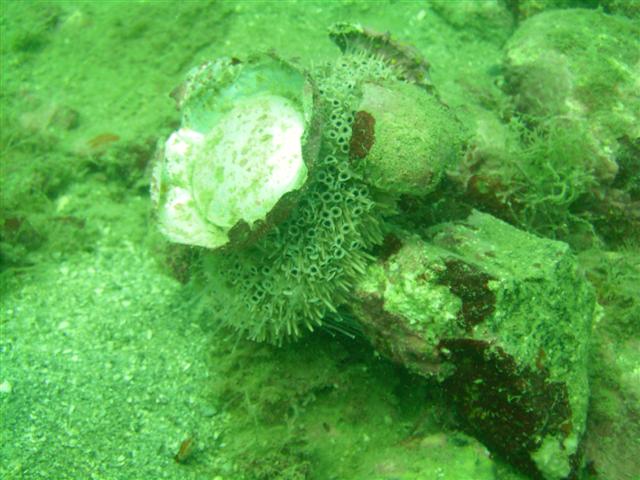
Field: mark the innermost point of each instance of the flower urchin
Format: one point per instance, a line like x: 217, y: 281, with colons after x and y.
x: 302, y: 269
x: 273, y: 173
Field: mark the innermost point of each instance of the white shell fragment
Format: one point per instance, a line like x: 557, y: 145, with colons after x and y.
x: 236, y: 171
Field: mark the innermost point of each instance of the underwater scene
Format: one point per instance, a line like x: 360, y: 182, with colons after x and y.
x: 304, y: 240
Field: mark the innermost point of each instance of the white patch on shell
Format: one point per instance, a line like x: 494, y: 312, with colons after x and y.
x: 236, y: 171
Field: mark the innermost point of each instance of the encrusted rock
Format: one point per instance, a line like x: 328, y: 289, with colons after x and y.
x: 503, y: 319
x: 403, y: 136
x: 407, y: 137
x: 582, y: 65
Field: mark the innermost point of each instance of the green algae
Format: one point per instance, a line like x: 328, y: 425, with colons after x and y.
x: 106, y: 367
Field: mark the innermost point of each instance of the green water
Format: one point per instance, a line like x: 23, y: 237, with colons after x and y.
x: 108, y: 363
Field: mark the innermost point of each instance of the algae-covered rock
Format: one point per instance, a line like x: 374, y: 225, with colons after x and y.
x: 503, y: 318
x: 574, y: 75
x: 405, y: 137
x: 583, y: 65
x: 567, y: 163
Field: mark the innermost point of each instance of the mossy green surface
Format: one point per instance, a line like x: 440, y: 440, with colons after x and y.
x: 416, y: 138
x: 529, y: 277
x: 289, y: 415
x: 105, y: 367
x: 480, y: 281
x: 587, y: 58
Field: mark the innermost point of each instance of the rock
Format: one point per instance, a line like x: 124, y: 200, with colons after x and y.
x: 573, y: 76
x: 569, y: 158
x: 582, y: 65
x: 503, y: 319
x: 403, y: 136
x: 523, y: 9
x: 411, y: 137
x: 613, y: 440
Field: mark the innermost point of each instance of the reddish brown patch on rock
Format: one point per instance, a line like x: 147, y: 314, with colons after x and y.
x: 510, y: 407
x: 472, y: 287
x: 362, y: 135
